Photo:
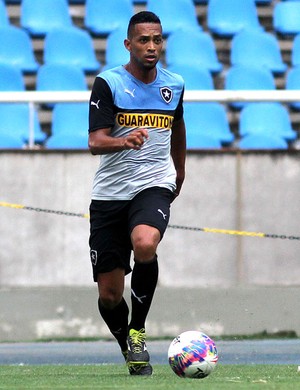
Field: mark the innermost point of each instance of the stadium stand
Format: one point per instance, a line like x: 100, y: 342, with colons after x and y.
x: 262, y: 141
x: 116, y: 53
x: 39, y: 17
x: 258, y: 14
x: 195, y: 44
x: 209, y: 119
x: 16, y: 49
x: 226, y: 18
x: 293, y: 83
x: 195, y: 140
x: 103, y: 17
x: 15, y: 122
x: 11, y: 78
x: 71, y: 46
x: 244, y: 77
x: 174, y: 18
x: 4, y: 20
x: 286, y: 18
x: 60, y: 77
x: 195, y: 77
x: 268, y: 119
x: 8, y: 141
x: 295, y: 60
x: 257, y: 48
x: 69, y: 126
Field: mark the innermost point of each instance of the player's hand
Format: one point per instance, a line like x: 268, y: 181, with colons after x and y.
x: 136, y: 139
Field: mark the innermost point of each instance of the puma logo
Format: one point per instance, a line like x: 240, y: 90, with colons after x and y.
x: 162, y: 213
x: 140, y: 299
x: 131, y: 93
x: 96, y: 104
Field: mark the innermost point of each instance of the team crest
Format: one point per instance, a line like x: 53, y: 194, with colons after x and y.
x: 94, y: 257
x: 166, y: 93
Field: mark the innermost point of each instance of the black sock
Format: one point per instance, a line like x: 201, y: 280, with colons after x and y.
x: 117, y: 321
x: 143, y: 284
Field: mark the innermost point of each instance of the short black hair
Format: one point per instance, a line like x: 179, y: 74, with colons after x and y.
x: 142, y: 17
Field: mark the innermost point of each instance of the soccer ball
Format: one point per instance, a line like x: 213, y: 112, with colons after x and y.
x: 192, y: 354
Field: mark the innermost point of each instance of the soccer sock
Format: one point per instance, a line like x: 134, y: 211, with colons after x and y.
x: 143, y: 284
x: 117, y: 321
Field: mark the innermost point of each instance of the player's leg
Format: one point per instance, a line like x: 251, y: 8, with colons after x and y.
x: 144, y: 277
x: 110, y: 255
x: 112, y: 306
x: 150, y: 216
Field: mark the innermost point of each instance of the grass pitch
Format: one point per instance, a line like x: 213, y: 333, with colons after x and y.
x: 106, y: 377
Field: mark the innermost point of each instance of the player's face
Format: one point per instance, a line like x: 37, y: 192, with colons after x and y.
x: 145, y: 44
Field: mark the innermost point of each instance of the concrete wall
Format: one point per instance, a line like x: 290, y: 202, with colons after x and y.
x: 222, y: 284
x: 253, y: 192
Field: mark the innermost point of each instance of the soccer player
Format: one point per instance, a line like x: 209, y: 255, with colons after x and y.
x: 136, y: 124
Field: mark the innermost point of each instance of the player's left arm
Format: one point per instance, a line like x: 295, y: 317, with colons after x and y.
x: 178, y: 151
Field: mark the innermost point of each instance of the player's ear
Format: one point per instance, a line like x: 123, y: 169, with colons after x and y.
x: 127, y: 44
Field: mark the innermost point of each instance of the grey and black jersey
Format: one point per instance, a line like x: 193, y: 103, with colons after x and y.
x: 121, y: 102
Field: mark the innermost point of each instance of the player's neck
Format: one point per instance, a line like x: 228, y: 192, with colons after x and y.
x: 145, y: 75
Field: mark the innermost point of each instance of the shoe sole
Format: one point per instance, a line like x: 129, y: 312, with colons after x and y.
x: 140, y: 369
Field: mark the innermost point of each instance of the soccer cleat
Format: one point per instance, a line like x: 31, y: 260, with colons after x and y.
x: 138, y: 356
x: 137, y: 350
x: 140, y: 369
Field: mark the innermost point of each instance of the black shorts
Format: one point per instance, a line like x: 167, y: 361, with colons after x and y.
x: 111, y: 224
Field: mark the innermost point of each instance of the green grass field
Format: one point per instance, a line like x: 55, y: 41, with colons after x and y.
x: 104, y: 377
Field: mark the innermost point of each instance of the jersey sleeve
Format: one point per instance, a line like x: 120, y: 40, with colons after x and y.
x: 179, y: 109
x: 101, y: 109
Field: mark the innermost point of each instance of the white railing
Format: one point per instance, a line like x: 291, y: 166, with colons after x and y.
x: 223, y: 96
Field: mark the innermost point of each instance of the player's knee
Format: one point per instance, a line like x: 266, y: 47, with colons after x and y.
x: 144, y: 249
x: 110, y: 298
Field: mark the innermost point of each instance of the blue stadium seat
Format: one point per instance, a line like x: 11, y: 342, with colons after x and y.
x: 8, y: 141
x: 296, y: 51
x: 115, y: 52
x: 209, y: 119
x: 197, y: 47
x: 286, y: 18
x: 73, y: 46
x: 172, y: 17
x: 103, y: 17
x: 226, y: 18
x: 293, y: 83
x: 268, y: 119
x: 39, y: 17
x: 257, y: 48
x: 15, y: 119
x: 69, y: 126
x: 263, y: 2
x: 242, y: 77
x: 4, y: 19
x: 16, y: 49
x: 60, y: 77
x: 202, y: 141
x: 195, y: 77
x: 70, y: 117
x: 11, y: 78
x: 68, y: 141
x: 262, y: 141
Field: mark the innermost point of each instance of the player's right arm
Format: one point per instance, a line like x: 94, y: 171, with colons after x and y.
x: 101, y: 122
x: 101, y: 142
